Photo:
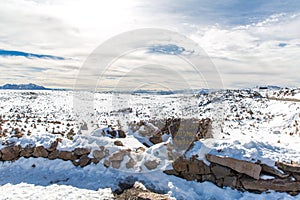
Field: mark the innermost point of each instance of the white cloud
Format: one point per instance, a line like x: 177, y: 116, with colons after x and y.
x: 244, y: 45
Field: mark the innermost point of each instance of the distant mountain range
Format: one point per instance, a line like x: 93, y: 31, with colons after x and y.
x: 29, y: 86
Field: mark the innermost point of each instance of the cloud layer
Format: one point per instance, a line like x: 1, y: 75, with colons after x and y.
x: 250, y: 42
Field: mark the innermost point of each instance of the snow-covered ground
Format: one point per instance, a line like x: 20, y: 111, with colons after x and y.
x: 246, y: 125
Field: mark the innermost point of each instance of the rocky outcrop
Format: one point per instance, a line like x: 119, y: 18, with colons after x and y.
x: 239, y: 174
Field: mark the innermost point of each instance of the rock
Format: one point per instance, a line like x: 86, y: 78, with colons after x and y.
x: 251, y: 169
x: 279, y: 185
x: 81, y: 151
x: 53, y: 146
x: 140, y: 150
x: 219, y: 182
x: 296, y: 176
x: 10, y: 153
x: 116, y: 164
x: 171, y: 126
x: 270, y: 170
x: 209, y: 177
x: 171, y: 172
x: 287, y: 167
x: 95, y: 161
x: 66, y: 155
x: 53, y: 155
x: 40, y: 151
x: 180, y: 165
x: 196, y: 167
x: 190, y: 177
x: 131, y: 163
x: 106, y: 163
x: 230, y: 181
x: 84, y: 160
x: 118, y: 143
x: 156, y: 139
x: 139, y: 192
x: 220, y: 171
x: 205, y: 129
x: 26, y: 152
x: 118, y: 156
x: 121, y: 134
x: 98, y: 154
x: 151, y: 164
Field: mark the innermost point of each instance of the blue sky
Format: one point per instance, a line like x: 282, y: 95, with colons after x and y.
x: 251, y: 43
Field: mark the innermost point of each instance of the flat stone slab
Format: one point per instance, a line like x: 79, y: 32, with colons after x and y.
x: 251, y: 169
x: 288, y: 167
x: 279, y: 185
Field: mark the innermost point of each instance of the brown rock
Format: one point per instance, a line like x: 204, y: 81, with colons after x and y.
x: 40, y: 151
x: 106, y: 163
x: 10, y: 153
x: 151, y: 164
x: 156, y: 139
x: 131, y: 163
x: 53, y: 155
x: 230, y: 181
x: 84, y: 161
x: 116, y: 164
x: 140, y: 150
x: 66, y: 155
x: 196, y: 167
x: 26, y: 152
x: 98, y: 154
x: 270, y: 170
x: 95, y: 161
x: 190, y: 177
x: 220, y: 171
x: 296, y: 176
x: 251, y: 169
x: 118, y: 156
x: 219, y: 182
x: 205, y: 129
x: 209, y: 177
x: 118, y: 143
x: 180, y: 165
x: 288, y: 167
x: 53, y: 146
x: 171, y: 172
x: 81, y: 151
x: 121, y: 134
x: 279, y: 185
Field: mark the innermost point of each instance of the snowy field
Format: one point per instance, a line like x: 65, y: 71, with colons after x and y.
x: 246, y: 125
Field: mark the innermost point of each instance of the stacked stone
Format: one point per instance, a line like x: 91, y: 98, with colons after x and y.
x: 239, y: 174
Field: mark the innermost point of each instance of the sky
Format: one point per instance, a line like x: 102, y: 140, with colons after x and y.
x: 249, y: 43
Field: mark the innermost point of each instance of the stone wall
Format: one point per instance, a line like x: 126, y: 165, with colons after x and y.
x: 238, y: 174
x: 79, y: 156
